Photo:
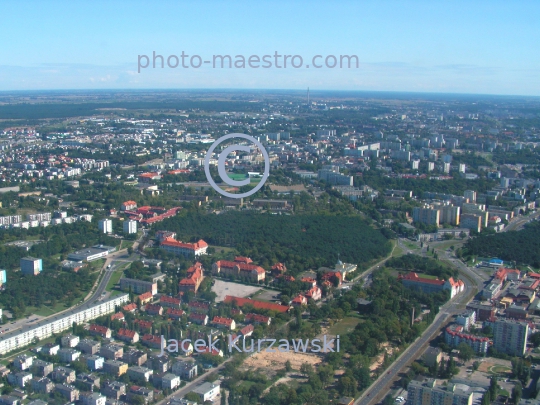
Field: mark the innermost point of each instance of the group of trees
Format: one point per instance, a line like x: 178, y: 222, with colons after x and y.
x: 520, y: 246
x: 53, y: 285
x: 301, y: 241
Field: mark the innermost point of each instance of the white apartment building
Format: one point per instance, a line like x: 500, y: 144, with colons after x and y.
x: 105, y: 225
x: 130, y: 226
x: 20, y: 338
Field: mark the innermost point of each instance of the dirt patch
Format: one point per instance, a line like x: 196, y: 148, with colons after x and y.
x: 277, y: 360
x: 380, y: 358
x: 485, y: 366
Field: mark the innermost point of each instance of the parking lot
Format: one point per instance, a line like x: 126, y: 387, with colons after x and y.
x: 224, y: 288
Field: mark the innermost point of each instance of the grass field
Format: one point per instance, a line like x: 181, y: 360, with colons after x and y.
x: 46, y: 310
x: 347, y: 325
x: 115, y: 278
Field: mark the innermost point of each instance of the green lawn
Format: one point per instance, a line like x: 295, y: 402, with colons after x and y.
x: 344, y: 326
x: 125, y: 244
x: 46, y: 310
x: 115, y: 278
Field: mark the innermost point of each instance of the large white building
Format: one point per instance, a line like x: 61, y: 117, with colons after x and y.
x: 130, y: 226
x: 23, y: 337
x: 105, y: 225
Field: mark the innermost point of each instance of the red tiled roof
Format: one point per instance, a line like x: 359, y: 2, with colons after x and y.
x: 118, y: 316
x: 200, y: 305
x: 130, y: 334
x: 130, y: 307
x: 193, y: 246
x: 170, y: 300
x: 198, y: 317
x: 153, y: 308
x: 222, y: 321
x: 257, y: 318
x: 242, y: 266
x: 256, y: 304
x: 247, y: 329
x: 146, y: 295
x: 151, y: 338
x: 174, y: 312
x: 98, y: 329
x: 415, y: 278
x: 143, y: 324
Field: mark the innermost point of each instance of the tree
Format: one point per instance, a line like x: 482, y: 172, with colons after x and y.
x: 192, y: 397
x: 517, y: 393
x: 535, y: 339
x: 306, y: 369
x: 288, y: 366
x: 465, y: 352
x: 493, y: 388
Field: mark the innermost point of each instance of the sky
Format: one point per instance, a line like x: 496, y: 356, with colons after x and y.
x: 482, y: 47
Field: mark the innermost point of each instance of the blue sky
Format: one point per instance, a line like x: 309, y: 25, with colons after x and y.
x: 488, y: 47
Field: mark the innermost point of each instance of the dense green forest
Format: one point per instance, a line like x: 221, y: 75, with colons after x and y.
x: 425, y: 265
x: 62, y: 110
x: 300, y: 241
x: 520, y: 246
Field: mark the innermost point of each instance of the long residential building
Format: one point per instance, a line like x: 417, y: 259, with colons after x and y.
x: 454, y: 335
x: 428, y: 393
x: 20, y: 338
x: 184, y: 249
x: 138, y: 286
x: 429, y: 285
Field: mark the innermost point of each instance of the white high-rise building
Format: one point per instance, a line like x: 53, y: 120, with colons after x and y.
x: 462, y: 168
x: 431, y: 166
x: 130, y: 226
x: 446, y: 167
x: 105, y: 225
x: 415, y: 164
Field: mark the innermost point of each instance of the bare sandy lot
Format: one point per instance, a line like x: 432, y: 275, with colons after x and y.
x: 224, y: 288
x: 278, y: 359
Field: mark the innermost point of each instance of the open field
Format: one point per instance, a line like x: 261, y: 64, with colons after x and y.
x: 115, y: 278
x: 277, y: 360
x: 346, y: 325
x: 224, y: 288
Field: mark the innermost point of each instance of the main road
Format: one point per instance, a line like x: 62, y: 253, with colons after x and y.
x: 380, y: 388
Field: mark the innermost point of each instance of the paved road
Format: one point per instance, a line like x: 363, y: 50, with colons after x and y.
x: 518, y: 223
x: 114, y: 259
x: 378, y: 390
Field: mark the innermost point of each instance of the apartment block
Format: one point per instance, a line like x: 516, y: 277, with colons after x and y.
x: 427, y: 392
x: 510, y: 337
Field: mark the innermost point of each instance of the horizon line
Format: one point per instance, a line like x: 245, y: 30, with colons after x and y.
x: 266, y: 90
